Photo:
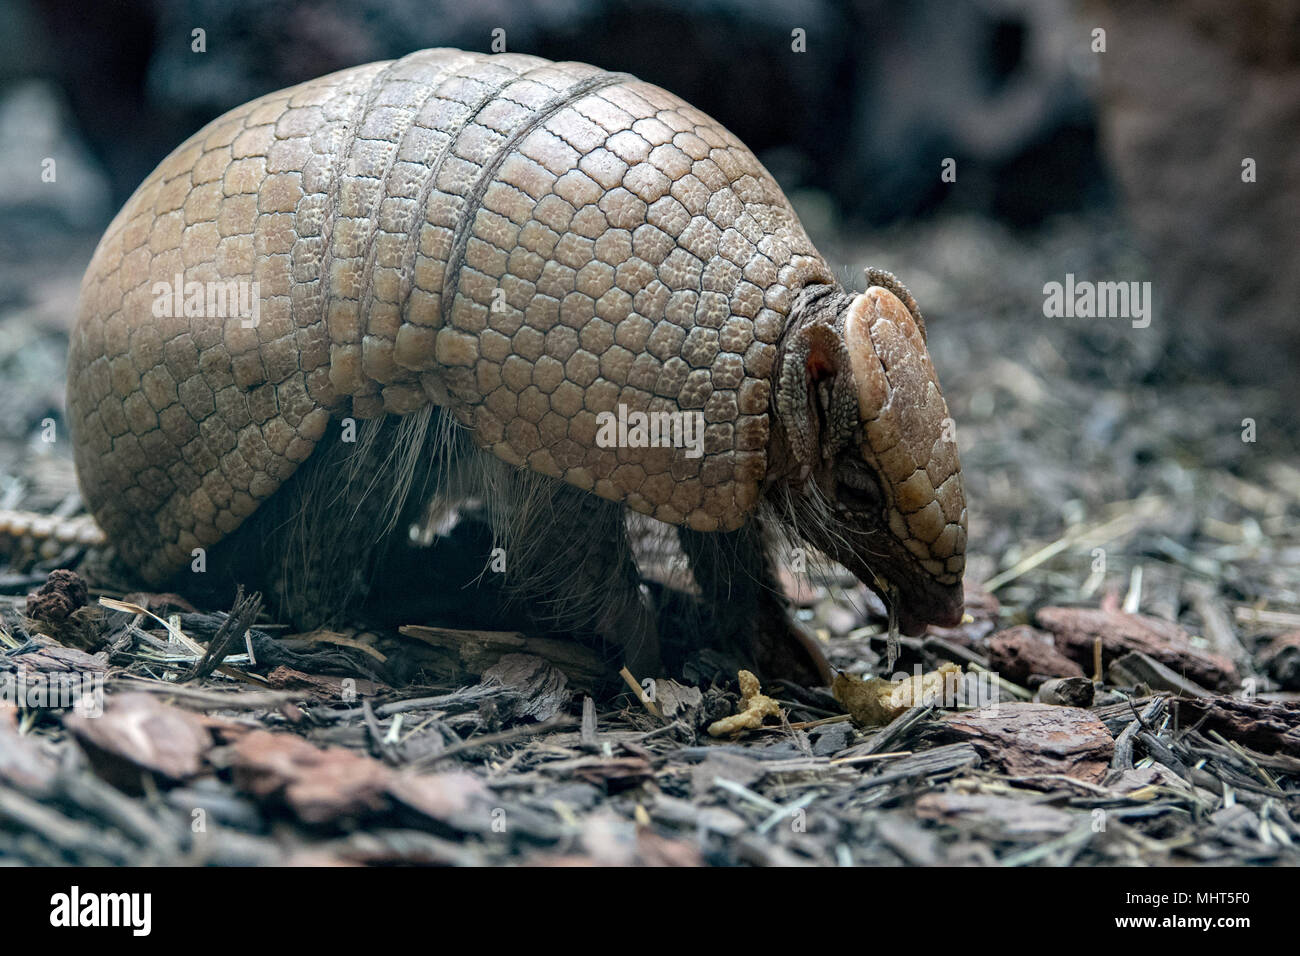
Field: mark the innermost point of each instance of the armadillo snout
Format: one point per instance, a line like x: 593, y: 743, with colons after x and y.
x: 885, y: 494
x: 907, y: 437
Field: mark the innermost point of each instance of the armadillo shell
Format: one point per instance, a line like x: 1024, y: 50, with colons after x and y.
x: 529, y: 243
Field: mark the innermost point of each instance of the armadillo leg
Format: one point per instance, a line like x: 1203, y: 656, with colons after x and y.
x: 568, y: 555
x: 738, y: 586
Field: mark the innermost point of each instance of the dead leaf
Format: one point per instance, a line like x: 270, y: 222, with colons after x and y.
x: 137, y: 731
x: 676, y: 699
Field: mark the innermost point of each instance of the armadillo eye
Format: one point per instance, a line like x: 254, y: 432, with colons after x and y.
x: 856, y: 489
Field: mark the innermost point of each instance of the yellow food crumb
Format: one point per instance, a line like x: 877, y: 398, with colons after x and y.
x: 877, y: 701
x: 754, y: 707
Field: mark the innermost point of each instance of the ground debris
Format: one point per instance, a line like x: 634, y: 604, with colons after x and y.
x: 1067, y: 692
x: 55, y: 600
x: 543, y: 690
x: 754, y: 708
x: 1076, y: 631
x: 876, y: 701
x: 1028, y: 656
x: 1270, y: 727
x: 1026, y: 739
x: 1118, y: 510
x: 23, y: 764
x: 334, y: 785
x: 1011, y: 816
x: 139, y: 732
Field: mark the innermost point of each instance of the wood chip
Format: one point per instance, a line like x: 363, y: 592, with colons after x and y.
x: 1026, y: 739
x: 1028, y: 656
x: 138, y: 731
x: 1077, y: 629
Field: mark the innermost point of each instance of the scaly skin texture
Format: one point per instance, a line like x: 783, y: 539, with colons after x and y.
x: 525, y: 244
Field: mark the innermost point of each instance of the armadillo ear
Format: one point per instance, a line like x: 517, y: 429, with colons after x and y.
x: 889, y: 281
x: 868, y: 373
x: 815, y: 393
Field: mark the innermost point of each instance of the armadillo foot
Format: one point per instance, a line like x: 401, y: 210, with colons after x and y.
x: 785, y: 648
x: 745, y: 608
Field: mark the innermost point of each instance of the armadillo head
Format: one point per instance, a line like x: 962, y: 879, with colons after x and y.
x: 873, y: 478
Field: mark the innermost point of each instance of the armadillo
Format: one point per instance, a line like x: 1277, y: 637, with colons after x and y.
x: 454, y: 268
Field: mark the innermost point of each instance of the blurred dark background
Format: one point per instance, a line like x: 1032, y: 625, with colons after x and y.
x: 1117, y: 165
x: 883, y: 89
x: 1040, y: 124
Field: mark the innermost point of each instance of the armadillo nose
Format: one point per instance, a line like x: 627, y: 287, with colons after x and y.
x: 947, y: 604
x: 938, y: 605
x: 952, y: 613
x: 911, y: 624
